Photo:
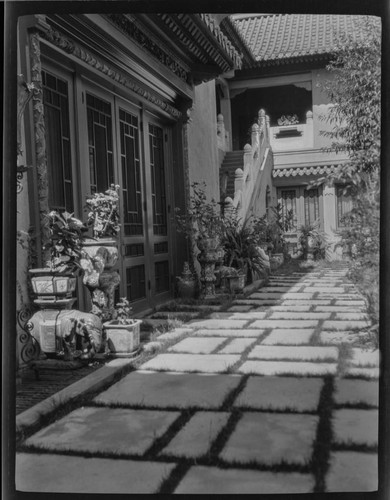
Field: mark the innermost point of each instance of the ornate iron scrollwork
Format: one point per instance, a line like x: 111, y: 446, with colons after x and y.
x: 30, y: 348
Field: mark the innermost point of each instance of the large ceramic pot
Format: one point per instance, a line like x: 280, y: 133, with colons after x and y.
x: 105, y: 248
x: 49, y: 285
x: 123, y: 340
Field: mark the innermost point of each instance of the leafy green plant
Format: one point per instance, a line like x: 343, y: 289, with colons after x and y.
x: 65, y: 244
x: 123, y: 311
x: 271, y: 228
x: 312, y: 239
x: 202, y: 218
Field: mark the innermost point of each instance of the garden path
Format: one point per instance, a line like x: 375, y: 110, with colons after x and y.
x: 272, y: 396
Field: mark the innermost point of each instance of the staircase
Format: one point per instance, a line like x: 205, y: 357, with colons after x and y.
x: 232, y: 161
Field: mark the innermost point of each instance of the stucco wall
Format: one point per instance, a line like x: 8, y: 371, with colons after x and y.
x: 202, y: 140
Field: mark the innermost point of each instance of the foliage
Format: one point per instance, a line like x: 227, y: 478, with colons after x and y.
x: 355, y: 93
x: 240, y: 243
x: 65, y: 244
x: 318, y: 239
x: 123, y: 311
x: 271, y: 228
x: 103, y: 213
x: 202, y: 218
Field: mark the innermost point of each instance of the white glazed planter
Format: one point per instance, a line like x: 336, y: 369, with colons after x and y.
x: 123, y: 340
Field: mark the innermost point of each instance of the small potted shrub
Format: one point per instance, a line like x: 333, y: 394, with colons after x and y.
x: 123, y: 332
x: 312, y: 241
x: 64, y: 251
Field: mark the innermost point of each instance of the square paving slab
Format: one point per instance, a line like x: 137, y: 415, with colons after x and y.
x: 210, y: 363
x: 170, y: 390
x: 358, y: 427
x: 285, y: 336
x: 237, y: 346
x: 196, y: 437
x: 211, y: 480
x: 364, y: 357
x: 287, y: 367
x: 218, y: 323
x: 281, y: 393
x: 229, y: 333
x: 271, y: 438
x: 361, y: 372
x: 105, y: 430
x: 64, y: 474
x: 344, y: 325
x: 299, y: 315
x: 352, y: 392
x: 291, y: 307
x: 352, y: 471
x: 337, y: 338
x: 283, y: 323
x: 196, y: 345
x: 301, y: 353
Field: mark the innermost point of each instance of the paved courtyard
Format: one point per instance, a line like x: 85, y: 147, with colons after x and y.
x: 271, y: 396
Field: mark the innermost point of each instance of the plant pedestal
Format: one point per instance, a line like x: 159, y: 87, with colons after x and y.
x: 123, y: 339
x: 207, y: 258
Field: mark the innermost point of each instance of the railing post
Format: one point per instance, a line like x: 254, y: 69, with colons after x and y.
x: 255, y: 138
x: 268, y: 129
x: 238, y: 180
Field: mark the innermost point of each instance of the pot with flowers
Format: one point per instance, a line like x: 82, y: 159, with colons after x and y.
x: 56, y: 283
x: 123, y: 332
x: 202, y: 224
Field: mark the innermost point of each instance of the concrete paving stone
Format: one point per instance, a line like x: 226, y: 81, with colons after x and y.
x: 271, y: 438
x: 351, y: 391
x: 358, y: 427
x: 63, y: 474
x: 339, y: 309
x: 280, y: 323
x: 364, y: 357
x: 280, y: 288
x: 211, y: 363
x: 319, y: 289
x: 297, y: 295
x: 229, y: 333
x: 337, y: 338
x: 259, y: 302
x: 352, y: 471
x: 218, y: 323
x: 287, y: 367
x: 239, y: 315
x: 240, y: 308
x: 349, y: 302
x: 285, y: 336
x: 356, y: 315
x: 196, y: 437
x: 174, y: 334
x: 291, y: 307
x: 345, y: 325
x: 301, y: 353
x: 237, y: 346
x: 312, y: 302
x: 196, y: 345
x: 362, y: 372
x: 266, y: 295
x: 299, y: 315
x: 170, y: 390
x: 211, y: 480
x: 280, y: 393
x: 119, y: 430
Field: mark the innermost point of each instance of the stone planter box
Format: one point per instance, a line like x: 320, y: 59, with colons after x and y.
x: 49, y: 285
x: 123, y: 340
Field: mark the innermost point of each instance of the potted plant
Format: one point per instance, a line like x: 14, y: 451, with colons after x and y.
x: 103, y: 218
x: 64, y: 250
x: 312, y: 240
x: 123, y: 332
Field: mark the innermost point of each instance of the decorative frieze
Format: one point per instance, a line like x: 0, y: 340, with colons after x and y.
x: 70, y: 47
x: 142, y: 37
x: 300, y: 171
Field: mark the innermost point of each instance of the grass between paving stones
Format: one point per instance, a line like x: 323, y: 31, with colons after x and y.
x: 244, y: 355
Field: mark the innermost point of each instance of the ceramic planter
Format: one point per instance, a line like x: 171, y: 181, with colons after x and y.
x: 51, y: 285
x: 106, y: 247
x: 123, y: 339
x: 237, y: 283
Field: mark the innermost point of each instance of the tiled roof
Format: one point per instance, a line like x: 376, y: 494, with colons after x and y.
x: 277, y: 37
x: 300, y: 171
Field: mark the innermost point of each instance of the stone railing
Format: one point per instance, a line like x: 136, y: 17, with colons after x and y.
x: 255, y: 154
x: 291, y: 137
x: 223, y: 136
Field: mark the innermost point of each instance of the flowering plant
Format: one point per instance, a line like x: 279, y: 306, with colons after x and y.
x: 64, y: 245
x: 103, y: 213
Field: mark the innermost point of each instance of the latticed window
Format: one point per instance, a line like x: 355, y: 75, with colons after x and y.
x: 157, y: 167
x: 58, y: 143
x: 288, y: 200
x: 344, y: 204
x: 312, y: 206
